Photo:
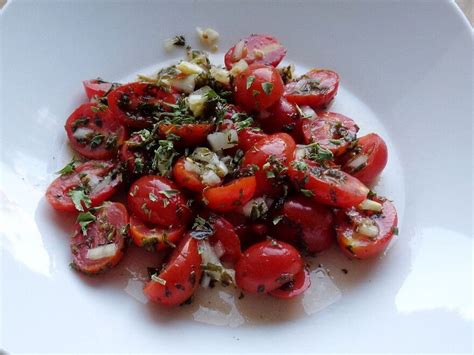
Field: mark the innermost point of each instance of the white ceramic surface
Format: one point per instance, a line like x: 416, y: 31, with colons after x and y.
x: 406, y: 70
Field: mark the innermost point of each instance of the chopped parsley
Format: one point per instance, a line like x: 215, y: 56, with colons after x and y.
x: 250, y: 81
x: 307, y: 193
x: 267, y: 88
x: 69, y: 168
x: 84, y: 219
x: 80, y: 198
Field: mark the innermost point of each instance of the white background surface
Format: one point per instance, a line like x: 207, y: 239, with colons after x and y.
x: 406, y: 72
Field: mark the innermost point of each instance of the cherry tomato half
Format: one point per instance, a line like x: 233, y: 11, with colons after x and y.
x: 158, y: 200
x: 93, y: 132
x: 230, y: 196
x: 135, y: 104
x: 189, y: 134
x: 316, y: 88
x: 331, y: 130
x: 249, y: 136
x: 281, y: 117
x: 351, y: 223
x: 156, y: 237
x: 97, y: 180
x: 180, y: 277
x: 136, y: 159
x: 259, y: 49
x: 314, y: 220
x: 187, y: 179
x: 97, y: 87
x: 368, y: 158
x: 101, y: 246
x: 328, y: 186
x: 270, y: 156
x: 258, y: 87
x: 267, y: 265
x: 300, y: 283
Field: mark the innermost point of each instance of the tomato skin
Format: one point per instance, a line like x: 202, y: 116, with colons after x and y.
x: 248, y: 137
x: 187, y: 179
x: 300, y: 283
x: 98, y: 124
x: 279, y: 147
x: 135, y: 103
x: 230, y: 196
x: 96, y: 87
x: 224, y: 233
x: 315, y: 221
x: 356, y: 245
x: 181, y: 274
x: 327, y: 127
x: 281, y: 117
x: 254, y: 97
x: 330, y: 187
x: 299, y: 92
x: 273, y: 51
x: 57, y: 192
x: 373, y: 150
x: 266, y: 266
x: 190, y: 134
x: 110, y: 215
x: 146, y: 200
x: 160, y: 237
x: 130, y: 156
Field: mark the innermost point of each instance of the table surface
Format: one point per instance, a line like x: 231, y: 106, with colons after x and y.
x: 465, y: 5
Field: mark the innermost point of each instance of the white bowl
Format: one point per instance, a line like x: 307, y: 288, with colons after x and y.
x: 406, y: 72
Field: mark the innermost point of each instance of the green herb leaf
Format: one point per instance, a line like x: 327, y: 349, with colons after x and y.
x: 152, y: 197
x: 267, y: 88
x: 395, y: 230
x: 168, y: 193
x: 307, y: 193
x: 84, y: 219
x: 250, y: 81
x: 255, y: 93
x: 69, y: 168
x: 79, y: 197
x: 299, y: 165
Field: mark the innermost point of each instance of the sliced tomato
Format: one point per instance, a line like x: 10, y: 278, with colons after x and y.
x: 97, y: 179
x: 367, y: 159
x: 258, y: 87
x: 300, y: 283
x: 351, y: 223
x: 267, y: 265
x: 281, y: 117
x: 100, y: 245
x: 157, y: 237
x: 158, y: 200
x: 331, y: 130
x: 315, y: 222
x: 316, y: 88
x: 136, y: 159
x: 249, y: 136
x: 189, y: 134
x: 328, y: 186
x: 260, y: 49
x: 187, y: 179
x: 93, y: 132
x: 137, y: 104
x: 270, y: 156
x: 180, y: 276
x: 230, y: 196
x: 97, y: 87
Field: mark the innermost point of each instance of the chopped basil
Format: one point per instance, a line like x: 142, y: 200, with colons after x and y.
x: 250, y: 81
x: 80, y: 198
x: 307, y: 193
x: 299, y: 165
x: 255, y: 93
x: 152, y: 197
x: 179, y: 41
x: 84, y: 219
x: 158, y: 279
x: 201, y: 228
x: 395, y: 230
x: 69, y: 168
x: 168, y: 193
x: 267, y: 88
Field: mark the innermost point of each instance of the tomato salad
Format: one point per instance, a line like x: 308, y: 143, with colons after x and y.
x: 233, y: 173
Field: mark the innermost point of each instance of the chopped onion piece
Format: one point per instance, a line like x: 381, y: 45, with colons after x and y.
x: 208, y: 37
x: 192, y: 167
x: 300, y: 152
x: 210, y: 258
x: 83, y: 133
x: 256, y: 202
x: 368, y: 229
x: 239, y: 67
x: 308, y: 112
x: 103, y: 251
x: 219, y: 249
x: 358, y: 161
x: 223, y: 140
x: 203, y: 154
x: 238, y: 51
x: 210, y: 178
x: 370, y: 205
x: 197, y: 100
x: 220, y: 75
x: 189, y: 68
x: 185, y: 84
x: 221, y: 169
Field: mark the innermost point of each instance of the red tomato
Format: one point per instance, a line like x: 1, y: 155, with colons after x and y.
x: 94, y: 133
x: 328, y: 186
x: 108, y: 228
x: 135, y: 104
x: 190, y: 134
x: 180, y: 277
x: 187, y: 179
x: 361, y: 246
x: 294, y: 288
x: 314, y: 220
x: 249, y: 136
x: 271, y: 156
x: 225, y: 235
x: 316, y: 88
x: 96, y: 178
x: 258, y: 87
x: 158, y: 200
x: 260, y: 49
x: 136, y: 159
x: 266, y: 266
x: 367, y: 160
x: 230, y: 196
x: 331, y: 130
x: 282, y: 116
x: 286, y: 231
x: 96, y: 87
x: 158, y: 237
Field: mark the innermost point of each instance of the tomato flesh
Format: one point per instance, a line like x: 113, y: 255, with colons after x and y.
x: 267, y: 265
x: 248, y: 137
x: 189, y: 134
x: 230, y: 196
x: 156, y: 237
x: 108, y: 228
x: 96, y: 88
x: 358, y: 245
x: 187, y: 179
